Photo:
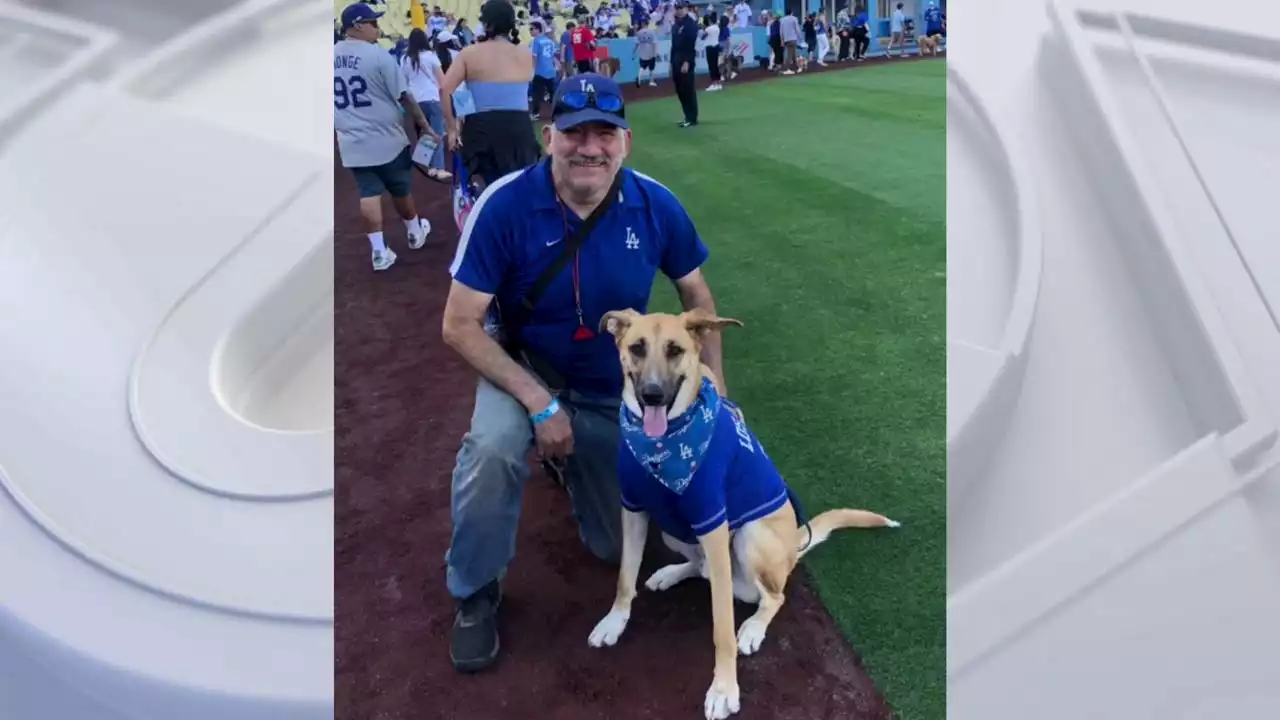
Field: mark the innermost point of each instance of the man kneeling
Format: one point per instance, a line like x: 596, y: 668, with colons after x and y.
x: 547, y: 378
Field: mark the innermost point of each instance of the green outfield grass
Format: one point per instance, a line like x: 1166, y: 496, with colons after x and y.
x: 823, y: 201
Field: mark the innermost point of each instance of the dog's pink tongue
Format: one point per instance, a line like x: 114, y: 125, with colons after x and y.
x: 655, y: 421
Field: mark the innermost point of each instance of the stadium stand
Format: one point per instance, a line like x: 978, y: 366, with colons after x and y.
x: 396, y: 22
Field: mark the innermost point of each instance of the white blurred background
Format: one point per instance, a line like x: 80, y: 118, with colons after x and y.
x: 1118, y: 553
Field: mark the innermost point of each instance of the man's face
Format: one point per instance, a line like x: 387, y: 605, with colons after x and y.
x: 585, y: 158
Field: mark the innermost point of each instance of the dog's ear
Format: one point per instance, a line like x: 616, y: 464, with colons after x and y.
x: 699, y: 322
x: 616, y: 322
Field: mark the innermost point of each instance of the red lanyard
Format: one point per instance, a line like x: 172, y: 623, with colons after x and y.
x: 582, y: 332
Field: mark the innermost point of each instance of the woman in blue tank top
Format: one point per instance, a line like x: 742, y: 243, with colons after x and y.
x: 498, y: 136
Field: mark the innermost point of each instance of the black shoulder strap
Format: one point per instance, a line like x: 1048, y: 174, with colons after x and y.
x: 515, y: 320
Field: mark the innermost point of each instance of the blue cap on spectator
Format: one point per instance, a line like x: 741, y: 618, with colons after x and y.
x: 358, y: 13
x: 585, y: 98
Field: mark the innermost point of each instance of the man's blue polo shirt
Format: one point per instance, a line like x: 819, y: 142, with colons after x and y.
x: 517, y: 229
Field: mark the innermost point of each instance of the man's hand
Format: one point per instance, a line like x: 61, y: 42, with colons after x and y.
x: 414, y: 111
x: 424, y: 128
x: 684, y: 67
x: 454, y: 139
x: 554, y: 436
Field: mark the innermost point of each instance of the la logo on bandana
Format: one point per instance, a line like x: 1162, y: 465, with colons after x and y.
x: 587, y: 87
x: 674, y: 458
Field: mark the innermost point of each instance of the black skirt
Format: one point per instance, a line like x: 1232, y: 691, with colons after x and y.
x: 498, y: 142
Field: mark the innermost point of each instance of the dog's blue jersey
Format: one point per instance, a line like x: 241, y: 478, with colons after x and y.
x: 737, y: 481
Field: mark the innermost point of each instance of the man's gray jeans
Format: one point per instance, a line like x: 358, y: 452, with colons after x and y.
x: 489, y: 478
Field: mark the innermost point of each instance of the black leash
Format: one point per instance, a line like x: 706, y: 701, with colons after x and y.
x: 801, y: 517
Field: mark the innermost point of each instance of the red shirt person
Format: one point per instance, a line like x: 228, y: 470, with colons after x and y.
x: 583, y: 43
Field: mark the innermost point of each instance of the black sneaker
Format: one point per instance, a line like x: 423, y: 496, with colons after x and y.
x: 687, y: 123
x: 474, y: 644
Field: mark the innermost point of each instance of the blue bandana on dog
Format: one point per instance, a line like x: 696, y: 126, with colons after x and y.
x: 674, y: 458
x: 706, y: 470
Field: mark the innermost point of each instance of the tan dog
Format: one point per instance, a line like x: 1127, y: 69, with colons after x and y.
x: 608, y: 67
x: 660, y: 353
x: 929, y: 43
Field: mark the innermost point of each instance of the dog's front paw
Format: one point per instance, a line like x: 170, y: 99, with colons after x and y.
x: 671, y: 575
x: 608, y: 630
x: 751, y: 636
x: 722, y: 701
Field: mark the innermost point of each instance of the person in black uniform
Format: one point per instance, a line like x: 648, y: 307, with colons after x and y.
x: 684, y: 52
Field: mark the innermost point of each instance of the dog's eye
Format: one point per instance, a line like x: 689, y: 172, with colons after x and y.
x: 637, y: 349
x: 674, y: 351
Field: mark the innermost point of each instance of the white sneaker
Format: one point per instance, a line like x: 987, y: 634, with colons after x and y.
x: 788, y: 72
x: 653, y: 84
x: 383, y: 259
x: 417, y: 241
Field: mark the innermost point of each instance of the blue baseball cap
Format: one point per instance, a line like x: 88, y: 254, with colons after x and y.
x: 358, y: 13
x: 589, y: 97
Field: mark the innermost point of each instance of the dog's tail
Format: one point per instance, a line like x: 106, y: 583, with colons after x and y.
x: 821, y: 527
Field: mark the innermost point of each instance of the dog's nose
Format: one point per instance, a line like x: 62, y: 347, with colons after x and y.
x: 651, y: 394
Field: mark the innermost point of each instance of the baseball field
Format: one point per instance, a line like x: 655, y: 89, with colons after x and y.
x: 822, y: 199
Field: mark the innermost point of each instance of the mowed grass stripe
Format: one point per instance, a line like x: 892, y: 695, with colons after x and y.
x: 815, y: 95
x: 898, y: 163
x: 897, y: 180
x: 841, y: 365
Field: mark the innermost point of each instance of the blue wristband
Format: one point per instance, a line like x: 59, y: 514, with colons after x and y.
x: 546, y: 414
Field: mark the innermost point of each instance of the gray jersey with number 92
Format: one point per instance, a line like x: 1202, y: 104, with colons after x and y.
x: 367, y: 115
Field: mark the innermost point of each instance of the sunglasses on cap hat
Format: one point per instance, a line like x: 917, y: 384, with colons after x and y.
x: 575, y: 100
